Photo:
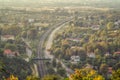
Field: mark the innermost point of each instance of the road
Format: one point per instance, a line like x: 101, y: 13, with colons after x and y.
x: 40, y: 51
x: 28, y: 49
x: 49, y: 45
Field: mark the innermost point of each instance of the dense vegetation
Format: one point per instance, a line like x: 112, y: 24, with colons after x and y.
x: 93, y: 35
x: 96, y: 34
x: 14, y: 66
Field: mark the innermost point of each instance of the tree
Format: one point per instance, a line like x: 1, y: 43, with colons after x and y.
x: 82, y: 54
x: 65, y: 45
x: 52, y: 77
x: 57, y: 52
x: 61, y: 72
x: 116, y: 66
x: 59, y: 65
x: 89, y: 47
x: 15, y: 66
x: 104, y: 69
x: 12, y: 47
x: 12, y: 77
x: 12, y: 30
x: 1, y: 67
x: 32, y: 78
x: 85, y: 74
x: 116, y: 75
x: 24, y: 34
x: 54, y: 62
x: 110, y: 25
x: 116, y: 57
x: 32, y: 33
x: 51, y: 70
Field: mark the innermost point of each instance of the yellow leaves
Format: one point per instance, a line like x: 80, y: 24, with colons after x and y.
x: 12, y: 77
x: 65, y: 42
x: 98, y: 78
x: 85, y: 74
x: 110, y: 25
x: 92, y: 72
x: 76, y: 76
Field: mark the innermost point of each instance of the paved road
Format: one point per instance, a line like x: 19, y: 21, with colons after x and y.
x: 49, y: 45
x: 40, y: 51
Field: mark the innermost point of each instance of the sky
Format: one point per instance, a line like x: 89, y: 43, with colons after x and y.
x: 62, y: 2
x: 48, y: 0
x: 55, y: 0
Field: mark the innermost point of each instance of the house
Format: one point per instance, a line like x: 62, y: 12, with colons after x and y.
x: 107, y: 54
x: 117, y: 23
x: 7, y: 37
x: 118, y: 52
x: 9, y: 53
x: 31, y: 20
x: 75, y: 59
x: 110, y: 70
x: 91, y: 55
x: 88, y: 66
x: 74, y: 40
x: 95, y: 27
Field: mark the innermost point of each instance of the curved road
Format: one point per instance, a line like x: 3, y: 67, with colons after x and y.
x: 49, y: 45
x: 40, y: 51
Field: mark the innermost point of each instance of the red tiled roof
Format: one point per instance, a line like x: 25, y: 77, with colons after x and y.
x: 7, y: 51
x: 117, y: 52
x: 8, y: 36
x: 110, y: 69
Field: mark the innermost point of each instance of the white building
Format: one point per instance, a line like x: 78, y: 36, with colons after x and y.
x: 91, y: 55
x: 75, y: 59
x: 7, y: 37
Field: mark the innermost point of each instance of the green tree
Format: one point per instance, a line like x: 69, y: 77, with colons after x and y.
x: 15, y: 66
x: 32, y: 33
x: 61, y: 72
x: 52, y: 77
x: 32, y: 78
x: 54, y: 62
x: 104, y: 69
x: 116, y: 75
x: 110, y: 25
x: 12, y: 47
x: 51, y: 70
x: 82, y: 54
x: 12, y: 30
x: 116, y: 66
x: 59, y: 65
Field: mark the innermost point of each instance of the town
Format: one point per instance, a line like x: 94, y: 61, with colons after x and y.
x: 60, y: 42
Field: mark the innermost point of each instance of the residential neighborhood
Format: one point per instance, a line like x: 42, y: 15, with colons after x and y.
x: 59, y: 40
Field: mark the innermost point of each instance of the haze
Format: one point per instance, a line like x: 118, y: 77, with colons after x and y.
x: 37, y: 3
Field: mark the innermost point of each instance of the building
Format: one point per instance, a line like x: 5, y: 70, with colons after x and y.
x: 110, y: 70
x: 88, y: 66
x: 107, y: 54
x: 91, y: 55
x: 95, y: 27
x: 118, y: 52
x: 10, y: 54
x: 75, y: 59
x: 7, y: 37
